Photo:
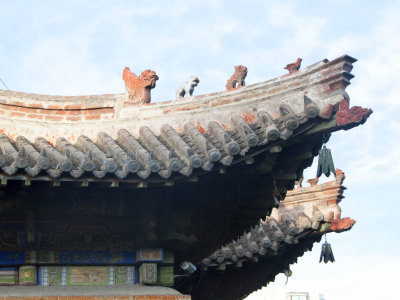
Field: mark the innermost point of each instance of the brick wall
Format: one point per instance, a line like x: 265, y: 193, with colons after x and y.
x: 24, y: 106
x: 33, y: 115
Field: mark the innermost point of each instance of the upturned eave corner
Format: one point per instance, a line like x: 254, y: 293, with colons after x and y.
x: 312, y: 210
x: 279, y: 239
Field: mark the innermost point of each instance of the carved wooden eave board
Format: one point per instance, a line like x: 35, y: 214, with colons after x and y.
x: 93, y: 137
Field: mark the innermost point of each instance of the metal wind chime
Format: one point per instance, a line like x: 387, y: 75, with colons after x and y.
x: 325, y: 161
x: 326, y: 252
x: 325, y: 166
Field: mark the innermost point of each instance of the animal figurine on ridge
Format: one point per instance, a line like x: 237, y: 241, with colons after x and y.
x: 237, y: 79
x: 313, y: 181
x: 293, y: 67
x: 139, y: 87
x: 187, y: 88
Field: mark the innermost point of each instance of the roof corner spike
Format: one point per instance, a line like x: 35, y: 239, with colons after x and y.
x: 138, y: 87
x: 293, y: 67
x: 237, y: 79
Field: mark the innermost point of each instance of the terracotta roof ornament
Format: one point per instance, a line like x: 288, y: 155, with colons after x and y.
x: 293, y: 67
x: 313, y: 181
x: 339, y: 176
x: 139, y: 87
x: 237, y: 79
x: 187, y: 88
x: 346, y: 115
x: 299, y: 183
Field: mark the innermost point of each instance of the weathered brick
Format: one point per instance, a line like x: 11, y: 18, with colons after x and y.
x: 26, y: 109
x: 337, y: 85
x: 92, y: 117
x: 45, y: 111
x: 54, y: 118
x: 75, y: 106
x: 17, y: 103
x: 73, y: 118
x: 74, y: 112
x: 36, y: 105
x: 55, y: 107
x: 35, y: 116
x: 16, y: 114
x: 99, y: 111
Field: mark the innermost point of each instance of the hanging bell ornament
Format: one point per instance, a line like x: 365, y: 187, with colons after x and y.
x: 326, y: 253
x: 325, y: 163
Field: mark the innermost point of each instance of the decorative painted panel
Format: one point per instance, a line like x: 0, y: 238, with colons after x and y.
x: 165, y: 276
x: 12, y: 258
x: 148, y: 273
x: 67, y: 257
x: 153, y: 255
x: 28, y: 275
x: 87, y: 275
x: 9, y: 276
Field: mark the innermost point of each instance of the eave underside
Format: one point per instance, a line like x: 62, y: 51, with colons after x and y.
x: 214, y: 206
x: 237, y: 283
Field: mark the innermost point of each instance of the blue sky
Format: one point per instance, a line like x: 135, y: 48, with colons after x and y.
x: 81, y: 47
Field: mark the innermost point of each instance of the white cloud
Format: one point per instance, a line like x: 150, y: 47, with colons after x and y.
x: 348, y: 44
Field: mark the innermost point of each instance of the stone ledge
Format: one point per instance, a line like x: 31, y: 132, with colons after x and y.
x: 143, y: 297
x: 136, y: 292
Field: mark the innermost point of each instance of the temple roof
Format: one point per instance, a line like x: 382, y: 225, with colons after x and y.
x: 92, y: 137
x: 266, y: 133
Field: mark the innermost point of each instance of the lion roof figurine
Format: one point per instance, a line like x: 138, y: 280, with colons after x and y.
x: 188, y: 87
x: 139, y: 87
x: 237, y: 79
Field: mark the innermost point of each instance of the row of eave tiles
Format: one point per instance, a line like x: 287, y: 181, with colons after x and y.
x: 268, y: 235
x: 169, y: 152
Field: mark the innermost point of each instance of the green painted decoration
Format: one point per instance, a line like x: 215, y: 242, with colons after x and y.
x: 27, y: 275
x: 165, y: 276
x: 148, y: 273
x: 87, y: 275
